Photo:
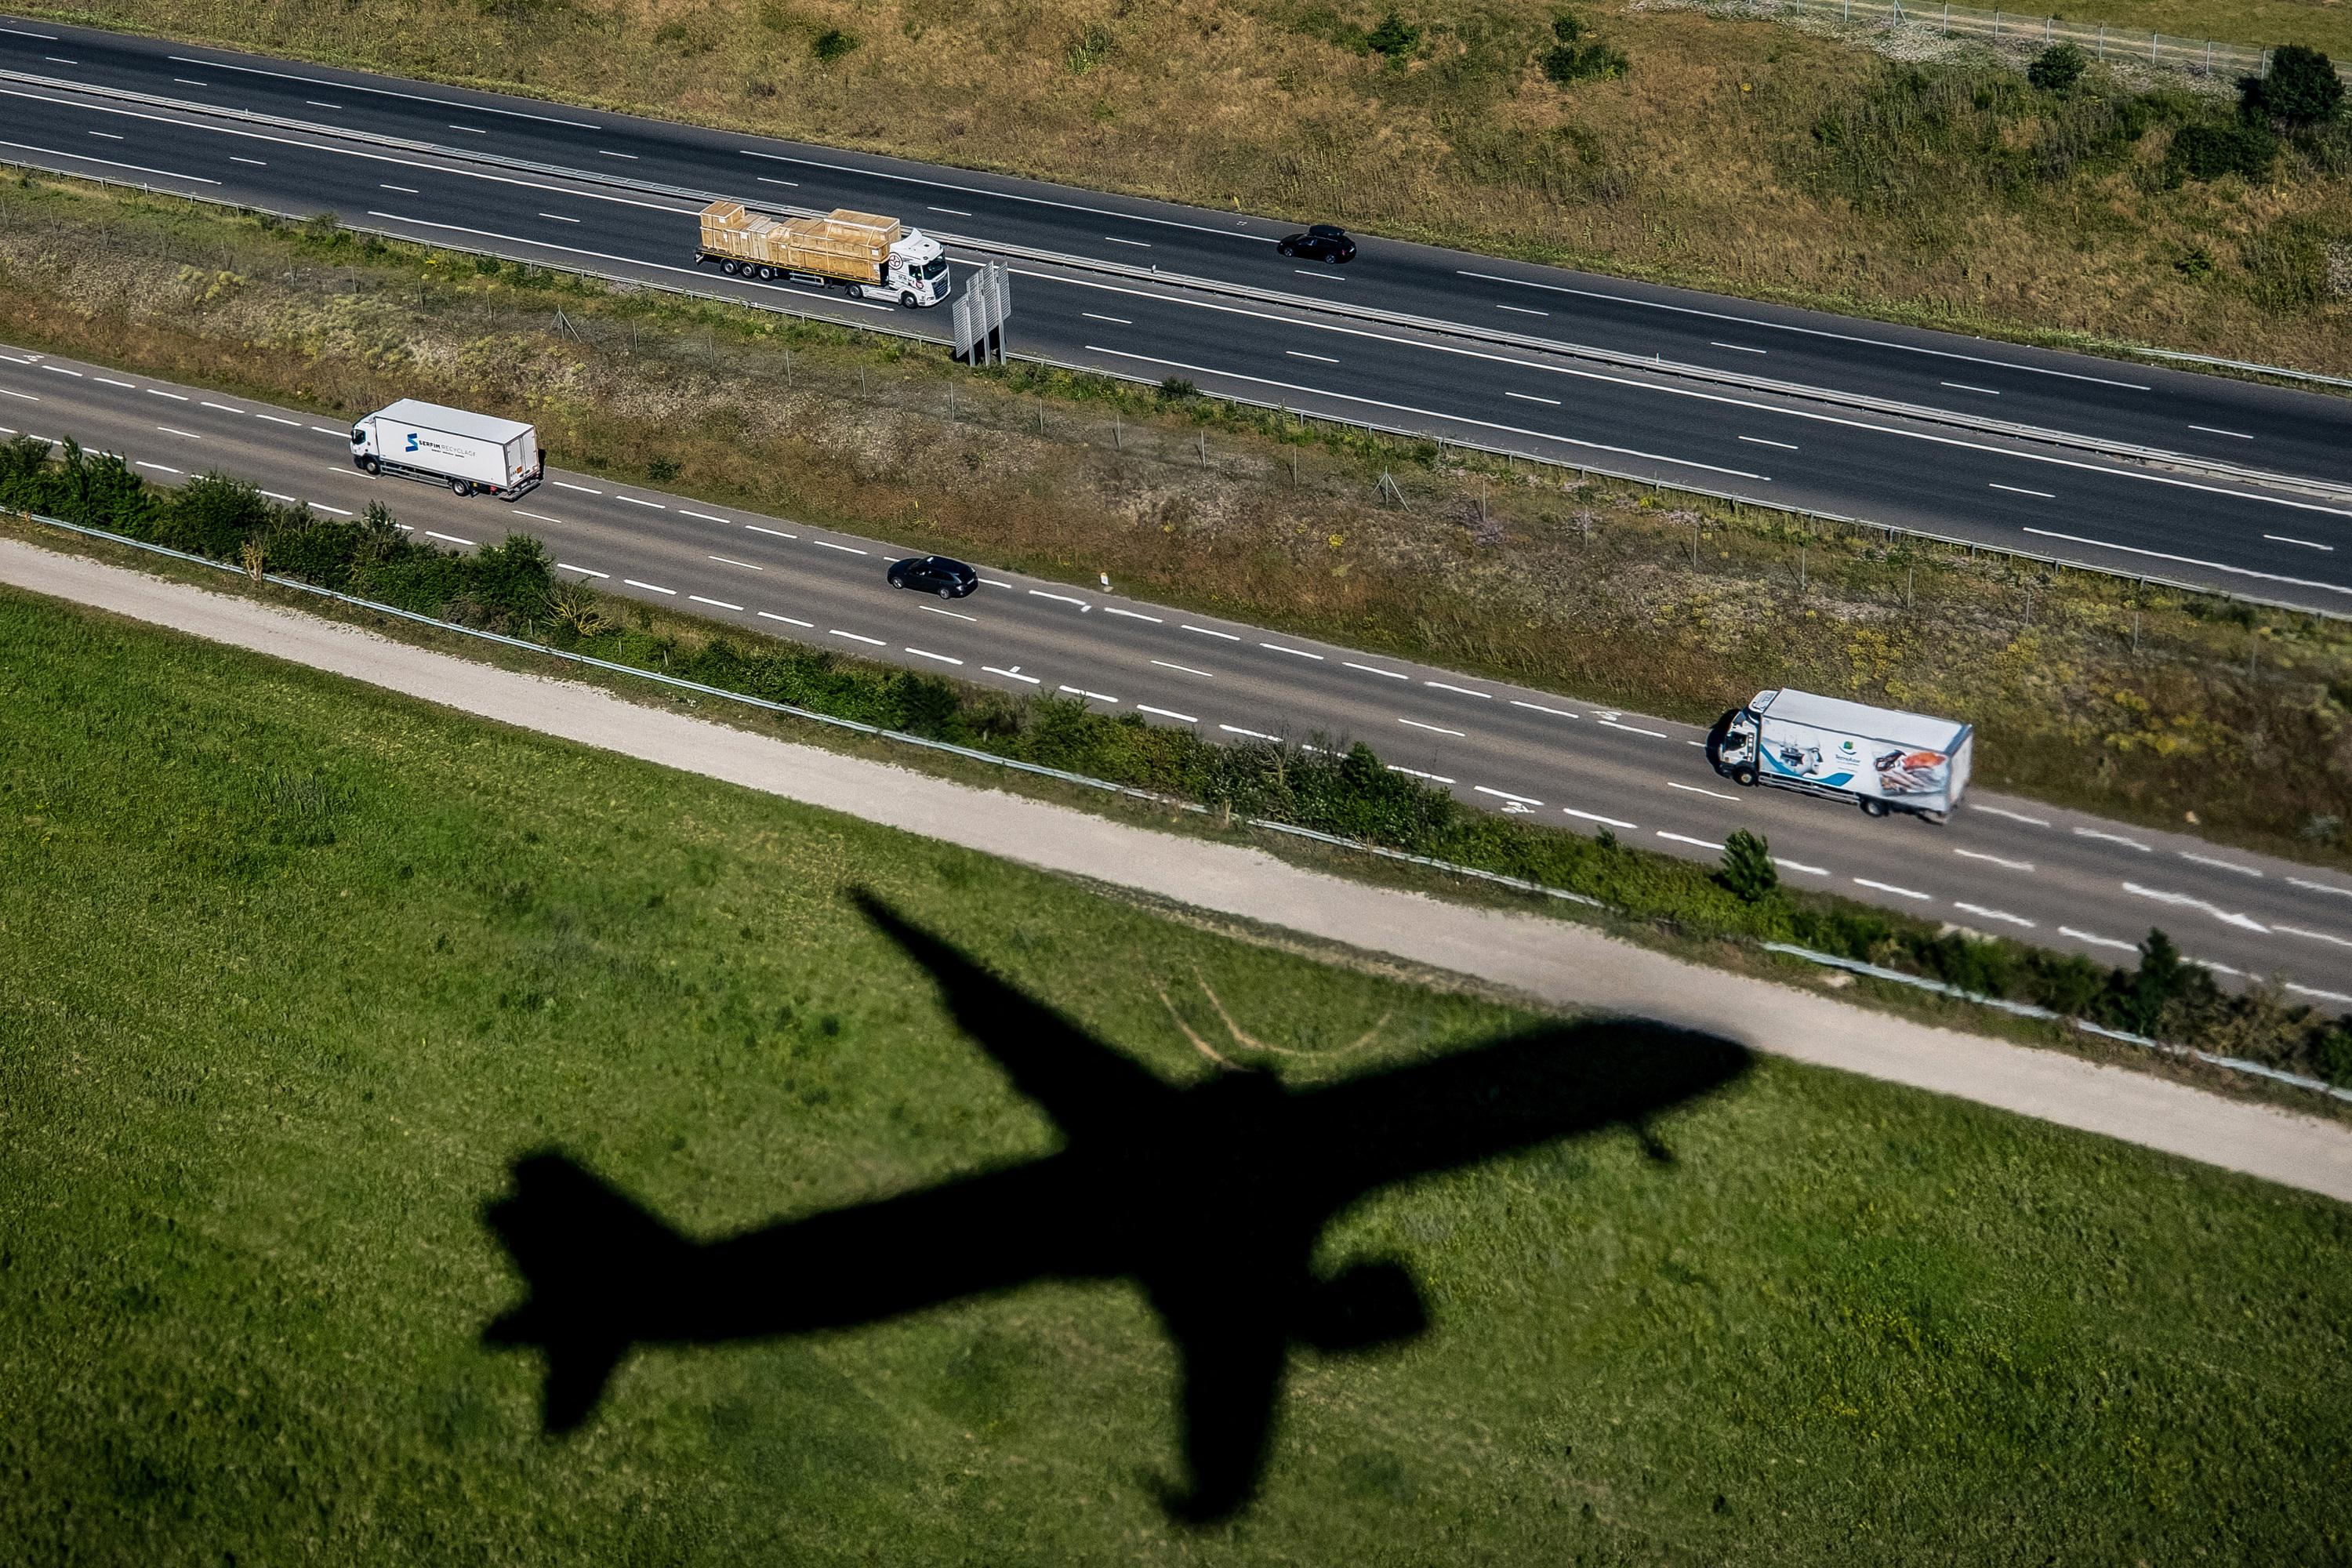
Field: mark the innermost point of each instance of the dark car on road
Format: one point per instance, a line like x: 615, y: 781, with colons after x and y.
x: 934, y: 574
x: 1323, y: 242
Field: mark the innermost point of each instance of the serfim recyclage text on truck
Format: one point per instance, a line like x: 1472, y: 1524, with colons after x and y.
x: 437, y: 446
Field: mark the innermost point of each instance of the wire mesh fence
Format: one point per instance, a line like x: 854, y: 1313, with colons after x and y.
x: 2100, y: 40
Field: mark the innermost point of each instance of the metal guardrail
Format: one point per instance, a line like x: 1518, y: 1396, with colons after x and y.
x: 1373, y: 427
x: 1109, y: 787
x: 2027, y: 1010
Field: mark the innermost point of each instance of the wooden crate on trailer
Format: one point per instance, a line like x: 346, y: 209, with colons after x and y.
x: 846, y: 245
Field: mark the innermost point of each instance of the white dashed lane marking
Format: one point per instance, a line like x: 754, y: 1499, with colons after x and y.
x: 1994, y: 914
x: 1994, y: 860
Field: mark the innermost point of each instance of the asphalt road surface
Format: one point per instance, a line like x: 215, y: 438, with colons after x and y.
x: 2003, y: 866
x: 2268, y: 537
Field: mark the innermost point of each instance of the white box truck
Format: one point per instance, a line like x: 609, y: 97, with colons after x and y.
x: 468, y: 452
x: 1885, y: 760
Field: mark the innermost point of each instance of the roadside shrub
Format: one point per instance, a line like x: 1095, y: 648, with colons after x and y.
x: 213, y: 514
x: 661, y: 470
x: 1394, y: 40
x: 225, y: 519
x: 831, y: 45
x: 1575, y: 58
x: 2301, y: 90
x: 2208, y: 152
x: 2057, y: 69
x: 1748, y: 869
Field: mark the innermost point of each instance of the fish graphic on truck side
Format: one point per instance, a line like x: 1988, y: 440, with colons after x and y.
x: 1880, y: 758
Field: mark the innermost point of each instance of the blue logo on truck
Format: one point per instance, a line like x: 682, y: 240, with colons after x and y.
x: 412, y: 441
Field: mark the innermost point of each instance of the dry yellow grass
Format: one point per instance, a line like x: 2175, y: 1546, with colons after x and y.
x: 1701, y: 165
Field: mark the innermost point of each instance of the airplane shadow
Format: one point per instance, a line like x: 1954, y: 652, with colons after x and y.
x: 1210, y: 1197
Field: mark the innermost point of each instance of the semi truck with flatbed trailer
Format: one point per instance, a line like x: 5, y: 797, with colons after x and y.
x: 1880, y: 758
x: 465, y: 451
x: 872, y: 257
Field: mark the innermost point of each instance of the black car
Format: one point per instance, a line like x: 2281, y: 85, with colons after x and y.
x: 934, y: 574
x: 1324, y: 242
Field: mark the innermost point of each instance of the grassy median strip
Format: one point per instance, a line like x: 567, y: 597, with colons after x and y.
x: 296, y: 968
x: 2097, y: 693
x: 1334, y: 788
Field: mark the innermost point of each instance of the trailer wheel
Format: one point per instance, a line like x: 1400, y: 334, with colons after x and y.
x: 460, y: 488
x: 1744, y: 777
x: 767, y: 275
x: 1873, y: 806
x: 730, y: 267
x: 370, y: 465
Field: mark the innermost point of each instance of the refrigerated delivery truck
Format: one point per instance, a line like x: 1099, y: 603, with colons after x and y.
x: 468, y: 452
x: 872, y: 257
x: 1883, y: 759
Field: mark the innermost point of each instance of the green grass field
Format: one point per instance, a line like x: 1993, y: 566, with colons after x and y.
x: 294, y: 971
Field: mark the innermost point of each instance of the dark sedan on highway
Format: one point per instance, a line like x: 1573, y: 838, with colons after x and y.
x: 934, y: 574
x: 1323, y: 242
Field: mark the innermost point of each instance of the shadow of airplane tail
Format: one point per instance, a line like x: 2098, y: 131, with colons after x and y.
x: 589, y: 1255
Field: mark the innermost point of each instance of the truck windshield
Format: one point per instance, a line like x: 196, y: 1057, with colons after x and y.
x: 936, y: 267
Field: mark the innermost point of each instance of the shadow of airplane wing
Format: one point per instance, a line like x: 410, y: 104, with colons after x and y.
x: 1549, y: 1083
x: 1083, y: 1084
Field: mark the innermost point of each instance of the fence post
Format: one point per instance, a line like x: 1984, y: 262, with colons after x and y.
x: 2155, y: 41
x: 2047, y: 22
x: 1996, y: 21
x: 1948, y: 19
x: 2102, y: 40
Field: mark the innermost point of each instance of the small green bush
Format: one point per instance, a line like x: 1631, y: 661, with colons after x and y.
x: 661, y: 470
x: 1591, y: 61
x: 1748, y: 869
x: 1394, y: 40
x: 831, y: 45
x: 2208, y: 152
x: 2057, y: 69
x: 2301, y: 90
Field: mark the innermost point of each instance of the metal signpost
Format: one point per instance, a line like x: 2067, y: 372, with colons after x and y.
x: 979, y: 313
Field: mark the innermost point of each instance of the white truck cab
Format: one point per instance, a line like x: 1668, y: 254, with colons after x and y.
x: 917, y: 273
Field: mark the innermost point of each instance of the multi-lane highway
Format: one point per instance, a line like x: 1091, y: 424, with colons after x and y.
x: 2004, y: 866
x: 1782, y: 406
